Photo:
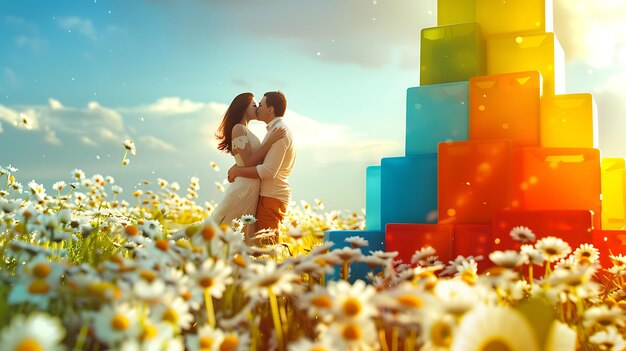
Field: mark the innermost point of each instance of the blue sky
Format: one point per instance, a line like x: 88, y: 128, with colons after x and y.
x: 93, y: 73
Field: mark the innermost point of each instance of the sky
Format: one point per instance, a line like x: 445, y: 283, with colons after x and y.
x: 93, y: 73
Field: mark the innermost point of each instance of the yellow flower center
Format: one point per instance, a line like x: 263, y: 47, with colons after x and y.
x: 441, y: 335
x: 321, y: 301
x: 495, y: 345
x: 268, y: 281
x: 318, y: 348
x: 551, y: 251
x: 29, y: 344
x: 230, y: 343
x: 351, y: 332
x: 170, y: 316
x: 206, y: 282
x: 239, y: 261
x: 120, y: 323
x: 208, y: 232
x: 205, y: 343
x: 148, y: 276
x: 41, y: 270
x: 148, y: 332
x: 131, y: 230
x: 162, y: 245
x: 410, y: 301
x: 38, y: 286
x: 468, y: 277
x: 352, y: 306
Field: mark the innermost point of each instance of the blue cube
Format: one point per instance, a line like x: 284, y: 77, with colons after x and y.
x: 436, y: 113
x: 409, y: 190
x: 372, y: 198
x: 359, y: 270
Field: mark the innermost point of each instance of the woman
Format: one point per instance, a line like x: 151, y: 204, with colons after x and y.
x: 235, y: 138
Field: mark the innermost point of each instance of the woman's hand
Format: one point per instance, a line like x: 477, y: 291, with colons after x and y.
x: 276, y: 134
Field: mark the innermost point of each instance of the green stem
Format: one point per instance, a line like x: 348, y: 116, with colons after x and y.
x: 208, y: 301
x: 276, y: 318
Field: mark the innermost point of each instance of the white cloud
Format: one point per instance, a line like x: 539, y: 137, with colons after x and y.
x: 167, y: 106
x: 87, y: 141
x: 592, y: 31
x: 10, y: 77
x: 155, y: 143
x: 81, y: 25
x: 51, y: 137
x: 34, y: 43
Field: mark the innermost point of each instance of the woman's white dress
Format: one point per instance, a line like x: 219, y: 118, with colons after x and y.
x: 242, y: 195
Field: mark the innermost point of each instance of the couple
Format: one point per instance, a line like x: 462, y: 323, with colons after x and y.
x: 258, y: 179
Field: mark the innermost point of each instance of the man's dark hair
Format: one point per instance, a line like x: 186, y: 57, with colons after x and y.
x: 277, y: 100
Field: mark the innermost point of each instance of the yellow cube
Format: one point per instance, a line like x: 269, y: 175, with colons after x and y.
x: 533, y: 52
x: 613, y: 194
x: 455, y: 11
x: 514, y: 16
x: 451, y: 53
x: 569, y: 120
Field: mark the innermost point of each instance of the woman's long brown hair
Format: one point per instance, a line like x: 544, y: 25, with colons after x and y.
x: 233, y: 115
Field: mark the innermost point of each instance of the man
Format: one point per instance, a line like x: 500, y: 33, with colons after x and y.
x: 275, y: 191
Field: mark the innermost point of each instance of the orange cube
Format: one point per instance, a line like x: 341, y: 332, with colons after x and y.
x: 556, y: 179
x: 533, y: 52
x: 474, y: 180
x: 505, y: 106
x: 569, y: 120
x: 613, y: 194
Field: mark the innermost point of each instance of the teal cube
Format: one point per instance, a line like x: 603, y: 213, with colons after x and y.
x: 372, y: 198
x: 434, y: 114
x: 358, y: 270
x: 451, y: 53
x: 409, y: 189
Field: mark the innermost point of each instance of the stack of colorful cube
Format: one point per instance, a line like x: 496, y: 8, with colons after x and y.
x: 493, y: 142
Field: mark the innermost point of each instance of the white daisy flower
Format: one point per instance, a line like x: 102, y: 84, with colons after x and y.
x: 533, y: 255
x: 78, y: 174
x: 38, y: 331
x: 609, y: 339
x: 356, y: 242
x: 214, y: 166
x: 604, y: 316
x: 213, y: 274
x: 248, y: 219
x: 586, y: 253
x: 560, y: 337
x: 522, y: 234
x: 130, y: 146
x: 455, y: 296
x: 116, y: 189
x: 494, y: 328
x: 553, y: 248
x: 422, y: 254
x: 58, y: 186
x: 262, y: 278
x: 220, y: 187
x: 206, y: 339
x: 305, y: 344
x: 125, y: 162
x: 234, y: 341
x: 174, y: 311
x: 507, y: 259
x: 352, y: 301
x: 353, y: 335
x: 37, y: 189
x: 113, y: 324
x: 317, y: 303
x: 439, y: 331
x: 16, y: 186
x: 175, y: 186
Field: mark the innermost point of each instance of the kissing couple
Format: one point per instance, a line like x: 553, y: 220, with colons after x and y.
x: 259, y: 179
